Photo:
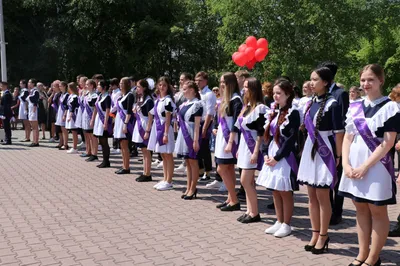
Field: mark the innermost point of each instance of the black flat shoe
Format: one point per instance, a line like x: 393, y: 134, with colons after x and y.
x: 104, y: 165
x: 223, y: 204
x: 84, y: 155
x: 248, y: 219
x: 92, y: 158
x: 324, y: 248
x: 123, y: 171
x: 359, y: 264
x: 240, y: 219
x: 6, y: 143
x: 144, y: 178
x: 118, y: 170
x: 231, y: 208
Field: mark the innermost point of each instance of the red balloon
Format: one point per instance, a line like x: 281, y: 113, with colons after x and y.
x: 242, y: 47
x: 251, y: 64
x: 262, y: 43
x: 249, y: 53
x: 234, y: 55
x: 260, y: 54
x: 251, y: 41
x: 240, y: 59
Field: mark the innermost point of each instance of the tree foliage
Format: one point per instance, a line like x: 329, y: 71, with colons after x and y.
x: 51, y: 39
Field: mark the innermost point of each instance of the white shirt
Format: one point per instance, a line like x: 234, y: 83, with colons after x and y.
x: 209, y: 100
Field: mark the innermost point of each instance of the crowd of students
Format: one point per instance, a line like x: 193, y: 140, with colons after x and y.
x: 275, y: 138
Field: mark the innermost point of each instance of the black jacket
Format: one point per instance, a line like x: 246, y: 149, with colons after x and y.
x: 6, y: 103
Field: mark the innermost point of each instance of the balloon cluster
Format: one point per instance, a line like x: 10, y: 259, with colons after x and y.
x: 251, y: 52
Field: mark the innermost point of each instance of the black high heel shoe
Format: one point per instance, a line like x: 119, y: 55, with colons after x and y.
x: 378, y: 263
x: 324, y: 247
x: 310, y: 247
x: 187, y: 197
x: 183, y: 196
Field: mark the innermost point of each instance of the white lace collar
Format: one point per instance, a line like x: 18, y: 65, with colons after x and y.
x: 368, y: 102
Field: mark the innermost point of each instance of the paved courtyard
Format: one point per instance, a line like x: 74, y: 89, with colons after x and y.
x: 57, y: 209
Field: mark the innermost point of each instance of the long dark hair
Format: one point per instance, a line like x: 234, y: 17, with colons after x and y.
x: 170, y: 89
x: 103, y: 84
x: 326, y: 75
x: 287, y: 88
x: 146, y: 91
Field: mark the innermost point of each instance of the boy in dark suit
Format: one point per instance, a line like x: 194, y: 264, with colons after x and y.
x: 6, y: 112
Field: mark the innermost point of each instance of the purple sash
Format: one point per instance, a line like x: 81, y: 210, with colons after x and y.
x: 159, y: 126
x: 323, y: 150
x: 141, y: 129
x: 55, y: 102
x: 186, y: 136
x: 251, y: 143
x: 226, y: 132
x: 372, y: 143
x: 62, y: 102
x: 81, y: 103
x: 291, y: 159
x: 102, y: 117
x: 89, y: 110
x: 129, y: 126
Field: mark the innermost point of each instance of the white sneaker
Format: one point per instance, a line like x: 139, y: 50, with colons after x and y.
x: 214, y: 184
x: 155, y: 163
x: 222, y: 188
x: 160, y: 165
x: 283, y: 231
x: 165, y: 186
x: 51, y: 140
x: 180, y: 168
x: 158, y: 184
x: 99, y: 148
x: 72, y: 151
x: 115, y: 151
x: 273, y: 229
x: 82, y: 145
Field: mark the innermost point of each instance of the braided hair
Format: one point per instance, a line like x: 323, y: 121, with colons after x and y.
x: 325, y: 75
x: 287, y: 88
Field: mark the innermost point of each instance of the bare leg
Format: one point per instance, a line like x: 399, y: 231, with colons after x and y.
x: 74, y: 139
x: 364, y: 228
x: 278, y: 202
x: 125, y: 154
x: 288, y: 204
x: 169, y: 163
x: 27, y: 127
x: 65, y: 136
x: 194, y: 165
x: 94, y: 144
x: 146, y: 162
x: 380, y: 231
x: 314, y: 214
x: 165, y: 167
x: 325, y: 215
x: 247, y: 180
x: 188, y: 176
x: 227, y: 173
